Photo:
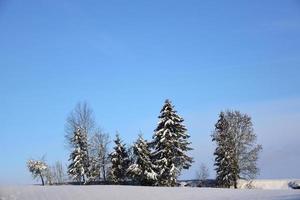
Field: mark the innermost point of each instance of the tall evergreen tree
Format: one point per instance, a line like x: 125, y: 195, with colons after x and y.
x: 79, y: 166
x: 142, y: 170
x: 225, y: 158
x: 120, y: 162
x: 170, y: 143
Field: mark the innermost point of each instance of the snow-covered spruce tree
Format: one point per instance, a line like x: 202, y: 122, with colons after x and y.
x: 38, y: 169
x: 94, y: 168
x: 81, y: 116
x: 142, y: 170
x: 170, y: 143
x: 79, y: 167
x: 225, y: 158
x: 119, y: 162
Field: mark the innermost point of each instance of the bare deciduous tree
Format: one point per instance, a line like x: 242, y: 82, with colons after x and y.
x: 81, y: 117
x: 58, y: 173
x: 49, y: 175
x: 203, y: 172
x: 99, y: 144
x: 55, y: 174
x: 240, y: 125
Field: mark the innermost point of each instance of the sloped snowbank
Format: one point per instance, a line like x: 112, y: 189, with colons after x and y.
x: 276, y: 184
x: 106, y: 192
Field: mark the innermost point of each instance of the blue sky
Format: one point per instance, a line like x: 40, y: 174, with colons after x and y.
x: 126, y: 57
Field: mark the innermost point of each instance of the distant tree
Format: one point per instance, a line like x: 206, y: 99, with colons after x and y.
x: 203, y: 172
x: 49, y: 175
x: 81, y: 117
x: 38, y: 169
x: 56, y: 174
x: 79, y: 157
x: 99, y: 155
x: 119, y: 162
x: 170, y: 143
x: 247, y: 150
x: 236, y: 152
x: 142, y: 170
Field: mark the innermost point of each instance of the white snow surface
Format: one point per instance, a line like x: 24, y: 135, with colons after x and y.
x: 110, y: 192
x: 276, y: 184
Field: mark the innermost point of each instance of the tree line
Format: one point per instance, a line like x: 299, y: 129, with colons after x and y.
x: 159, y: 161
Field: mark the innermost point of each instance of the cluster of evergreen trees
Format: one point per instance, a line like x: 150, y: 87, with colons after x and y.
x: 158, y: 162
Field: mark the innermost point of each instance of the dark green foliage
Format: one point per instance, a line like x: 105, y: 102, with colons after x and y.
x: 170, y: 146
x: 120, y: 162
x: 78, y: 168
x: 142, y: 170
x: 226, y: 160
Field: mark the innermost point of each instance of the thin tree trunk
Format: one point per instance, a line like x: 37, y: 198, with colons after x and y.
x: 83, y: 179
x: 104, y: 173
x: 99, y: 175
x: 103, y: 167
x: 42, y: 179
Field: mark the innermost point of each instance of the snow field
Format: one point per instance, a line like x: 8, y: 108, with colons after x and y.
x: 114, y: 192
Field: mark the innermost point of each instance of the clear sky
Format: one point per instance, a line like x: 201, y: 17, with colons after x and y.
x: 126, y: 57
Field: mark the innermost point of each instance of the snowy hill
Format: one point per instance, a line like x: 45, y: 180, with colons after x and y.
x: 109, y: 192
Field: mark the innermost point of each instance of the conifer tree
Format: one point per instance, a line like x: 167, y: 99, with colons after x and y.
x: 170, y: 143
x: 79, y: 166
x: 142, y: 170
x: 225, y: 158
x: 120, y: 162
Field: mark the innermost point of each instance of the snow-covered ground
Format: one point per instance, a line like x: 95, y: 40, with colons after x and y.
x: 278, y: 184
x: 108, y: 192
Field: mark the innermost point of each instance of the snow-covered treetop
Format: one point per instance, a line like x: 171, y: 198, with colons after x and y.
x: 170, y: 122
x: 168, y: 111
x: 36, y: 167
